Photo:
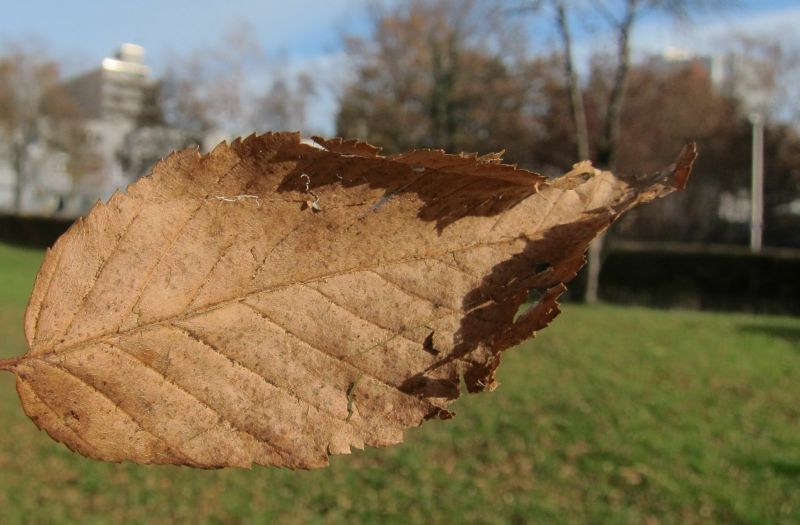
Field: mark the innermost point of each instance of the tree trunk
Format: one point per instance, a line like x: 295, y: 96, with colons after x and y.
x: 607, y: 149
x: 581, y: 140
x: 17, y: 151
x: 442, y: 109
x: 575, y: 93
x: 594, y: 264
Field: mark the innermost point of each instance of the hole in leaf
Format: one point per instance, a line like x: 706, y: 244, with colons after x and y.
x: 427, y: 345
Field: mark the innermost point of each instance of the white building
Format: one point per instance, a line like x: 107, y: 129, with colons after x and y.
x: 675, y: 59
x: 111, y: 99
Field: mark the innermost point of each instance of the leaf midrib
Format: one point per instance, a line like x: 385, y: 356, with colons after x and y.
x: 77, y: 345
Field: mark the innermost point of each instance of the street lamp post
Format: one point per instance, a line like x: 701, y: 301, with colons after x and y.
x: 757, y: 183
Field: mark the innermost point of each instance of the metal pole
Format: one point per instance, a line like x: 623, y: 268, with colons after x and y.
x: 757, y: 189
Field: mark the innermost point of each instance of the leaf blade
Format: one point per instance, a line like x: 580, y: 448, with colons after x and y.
x: 216, y: 312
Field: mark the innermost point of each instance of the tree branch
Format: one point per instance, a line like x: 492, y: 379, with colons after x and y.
x: 604, y: 12
x: 611, y: 127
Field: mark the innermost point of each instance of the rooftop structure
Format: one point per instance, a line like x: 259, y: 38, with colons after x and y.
x: 115, y: 90
x: 112, y: 99
x: 673, y: 59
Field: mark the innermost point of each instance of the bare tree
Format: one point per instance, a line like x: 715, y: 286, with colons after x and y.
x: 575, y: 93
x: 284, y: 103
x: 764, y: 72
x: 212, y: 88
x: 233, y: 88
x: 35, y: 109
x: 436, y: 73
x: 620, y: 19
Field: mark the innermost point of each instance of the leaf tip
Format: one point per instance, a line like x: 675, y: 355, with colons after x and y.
x: 682, y: 167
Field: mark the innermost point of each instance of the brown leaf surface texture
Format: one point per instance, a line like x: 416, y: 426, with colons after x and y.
x: 276, y: 302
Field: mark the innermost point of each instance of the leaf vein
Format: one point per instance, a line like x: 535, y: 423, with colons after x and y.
x: 60, y: 418
x: 230, y: 300
x: 330, y: 355
x: 207, y: 278
x: 175, y: 450
x: 394, y: 334
x: 46, y: 291
x: 202, y: 402
x: 410, y: 293
x: 164, y: 252
x: 455, y: 268
x: 196, y: 337
x: 114, y: 249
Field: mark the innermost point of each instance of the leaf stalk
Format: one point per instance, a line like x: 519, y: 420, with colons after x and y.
x: 9, y: 364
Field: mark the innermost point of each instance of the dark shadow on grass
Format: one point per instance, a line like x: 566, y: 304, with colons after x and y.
x: 786, y: 468
x: 790, y: 333
x: 783, y: 467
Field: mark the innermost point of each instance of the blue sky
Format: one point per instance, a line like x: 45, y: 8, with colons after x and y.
x: 90, y: 30
x: 82, y: 32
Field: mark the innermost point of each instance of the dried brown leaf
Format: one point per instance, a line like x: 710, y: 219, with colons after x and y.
x: 275, y: 302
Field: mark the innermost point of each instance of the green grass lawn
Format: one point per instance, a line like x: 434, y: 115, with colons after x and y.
x: 612, y: 415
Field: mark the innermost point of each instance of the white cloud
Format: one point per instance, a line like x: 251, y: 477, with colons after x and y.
x: 708, y: 34
x: 705, y: 35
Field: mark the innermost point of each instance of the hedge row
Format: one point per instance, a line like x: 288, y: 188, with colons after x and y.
x: 34, y: 232
x: 660, y: 275
x: 703, y: 278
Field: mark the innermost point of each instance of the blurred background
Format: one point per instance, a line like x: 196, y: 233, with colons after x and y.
x: 620, y: 414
